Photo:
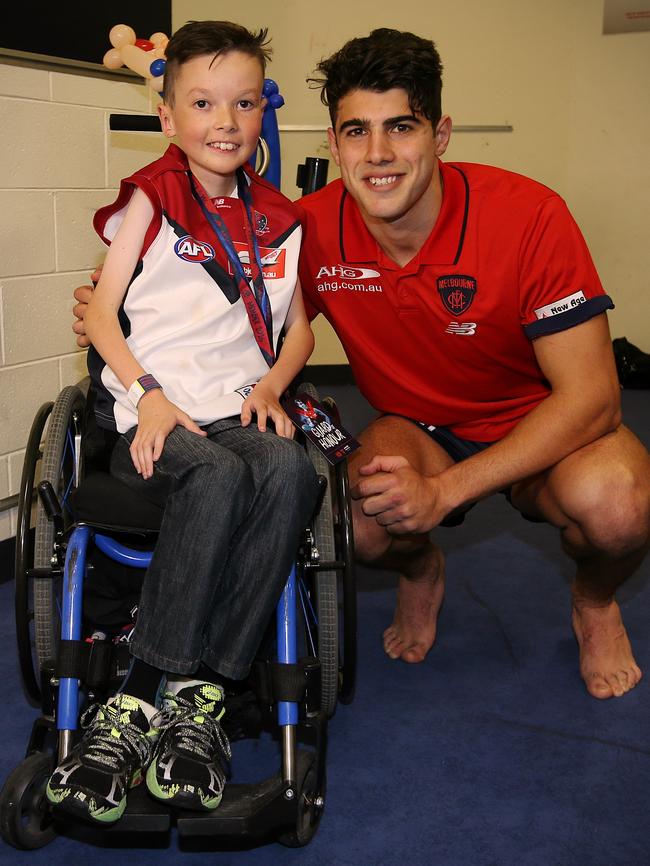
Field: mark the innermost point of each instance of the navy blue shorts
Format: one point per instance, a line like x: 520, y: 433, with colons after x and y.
x: 460, y: 449
x: 457, y: 448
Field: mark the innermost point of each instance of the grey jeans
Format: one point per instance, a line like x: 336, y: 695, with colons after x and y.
x: 236, y: 503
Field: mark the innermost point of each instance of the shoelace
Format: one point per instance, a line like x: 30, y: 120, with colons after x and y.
x: 199, y: 738
x: 104, y: 748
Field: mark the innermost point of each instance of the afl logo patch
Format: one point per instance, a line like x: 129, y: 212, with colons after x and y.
x: 457, y: 292
x: 191, y: 250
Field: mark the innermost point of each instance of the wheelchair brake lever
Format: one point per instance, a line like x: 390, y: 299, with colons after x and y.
x: 51, y: 505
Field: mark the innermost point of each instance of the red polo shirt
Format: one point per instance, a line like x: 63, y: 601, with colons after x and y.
x: 447, y: 338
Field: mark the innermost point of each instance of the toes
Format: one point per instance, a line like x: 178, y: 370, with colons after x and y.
x: 414, y: 654
x: 394, y: 647
x: 612, y: 685
x: 389, y: 634
x: 598, y: 687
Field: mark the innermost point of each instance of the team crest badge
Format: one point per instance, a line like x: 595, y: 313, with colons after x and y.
x: 457, y: 292
x: 261, y: 223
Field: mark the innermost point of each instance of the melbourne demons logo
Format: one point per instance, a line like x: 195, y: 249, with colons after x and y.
x: 457, y: 292
x: 261, y: 223
x: 191, y: 250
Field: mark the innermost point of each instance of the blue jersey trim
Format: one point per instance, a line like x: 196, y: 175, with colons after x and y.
x: 576, y: 316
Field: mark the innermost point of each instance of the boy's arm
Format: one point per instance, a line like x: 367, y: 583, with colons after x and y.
x: 101, y: 318
x: 297, y: 347
x: 157, y: 416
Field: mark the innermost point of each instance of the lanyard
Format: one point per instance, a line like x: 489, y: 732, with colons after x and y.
x: 255, y: 299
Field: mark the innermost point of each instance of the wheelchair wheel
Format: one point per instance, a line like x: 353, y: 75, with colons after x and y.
x: 311, y: 794
x: 61, y: 467
x: 25, y: 556
x: 25, y: 820
x: 332, y: 529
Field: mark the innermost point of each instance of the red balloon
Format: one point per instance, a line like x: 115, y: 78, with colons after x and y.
x: 145, y: 44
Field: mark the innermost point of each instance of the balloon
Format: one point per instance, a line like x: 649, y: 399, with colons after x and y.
x: 157, y: 68
x: 144, y: 44
x: 136, y: 59
x: 270, y: 87
x: 157, y: 53
x: 276, y: 101
x: 157, y: 83
x: 113, y: 58
x: 121, y: 35
x: 159, y: 40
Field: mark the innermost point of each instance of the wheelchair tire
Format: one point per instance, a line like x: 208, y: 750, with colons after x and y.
x: 24, y: 611
x: 25, y: 819
x: 325, y: 582
x: 60, y: 467
x: 345, y: 553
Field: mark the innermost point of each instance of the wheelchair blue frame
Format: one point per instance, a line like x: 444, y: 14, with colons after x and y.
x: 71, y: 621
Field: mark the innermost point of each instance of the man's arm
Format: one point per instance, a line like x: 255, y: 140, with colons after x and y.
x: 584, y: 404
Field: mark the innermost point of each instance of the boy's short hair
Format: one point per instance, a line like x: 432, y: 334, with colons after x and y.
x: 198, y: 38
x: 384, y: 60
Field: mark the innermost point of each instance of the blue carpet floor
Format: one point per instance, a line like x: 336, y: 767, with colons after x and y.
x: 488, y: 754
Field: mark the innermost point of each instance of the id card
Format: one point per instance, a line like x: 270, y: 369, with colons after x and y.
x: 313, y: 419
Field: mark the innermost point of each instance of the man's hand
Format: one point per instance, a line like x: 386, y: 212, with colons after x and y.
x: 399, y: 498
x: 264, y: 403
x: 83, y: 294
x: 157, y: 417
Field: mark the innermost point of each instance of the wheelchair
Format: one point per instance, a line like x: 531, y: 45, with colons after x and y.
x: 85, y: 528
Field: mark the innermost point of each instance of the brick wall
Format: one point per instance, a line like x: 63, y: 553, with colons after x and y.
x: 59, y: 164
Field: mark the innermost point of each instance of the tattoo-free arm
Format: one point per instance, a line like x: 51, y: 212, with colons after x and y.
x: 584, y: 404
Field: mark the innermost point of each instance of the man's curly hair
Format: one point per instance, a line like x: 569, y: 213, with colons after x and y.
x: 384, y: 60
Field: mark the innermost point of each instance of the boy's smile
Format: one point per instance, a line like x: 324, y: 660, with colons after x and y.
x: 216, y: 116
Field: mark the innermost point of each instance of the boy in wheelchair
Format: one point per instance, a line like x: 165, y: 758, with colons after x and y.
x: 184, y: 323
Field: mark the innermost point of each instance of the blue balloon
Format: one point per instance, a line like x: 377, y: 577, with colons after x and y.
x: 276, y: 101
x: 270, y: 87
x: 157, y: 68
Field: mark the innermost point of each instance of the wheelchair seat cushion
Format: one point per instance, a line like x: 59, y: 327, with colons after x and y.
x: 103, y: 501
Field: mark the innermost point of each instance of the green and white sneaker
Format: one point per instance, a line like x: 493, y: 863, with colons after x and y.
x: 189, y: 765
x: 111, y: 757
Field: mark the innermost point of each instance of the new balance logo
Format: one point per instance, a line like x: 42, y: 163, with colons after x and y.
x: 461, y: 328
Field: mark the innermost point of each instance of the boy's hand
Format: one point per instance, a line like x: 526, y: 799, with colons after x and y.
x: 264, y: 403
x: 157, y: 417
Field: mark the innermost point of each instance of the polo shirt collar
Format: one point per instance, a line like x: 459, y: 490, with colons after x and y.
x: 443, y: 245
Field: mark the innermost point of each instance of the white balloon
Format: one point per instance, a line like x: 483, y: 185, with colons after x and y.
x: 137, y: 60
x: 121, y: 35
x: 113, y: 58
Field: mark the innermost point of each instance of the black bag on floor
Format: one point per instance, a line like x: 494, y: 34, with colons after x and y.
x: 632, y: 364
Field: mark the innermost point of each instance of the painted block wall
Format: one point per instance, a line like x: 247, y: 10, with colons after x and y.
x: 60, y: 163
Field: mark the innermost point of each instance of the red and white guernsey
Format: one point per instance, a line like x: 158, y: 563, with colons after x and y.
x: 182, y: 315
x: 447, y: 339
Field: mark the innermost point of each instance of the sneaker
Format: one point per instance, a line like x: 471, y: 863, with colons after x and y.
x: 110, y: 758
x: 189, y: 765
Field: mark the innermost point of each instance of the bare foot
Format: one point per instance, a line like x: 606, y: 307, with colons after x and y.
x: 606, y: 662
x: 413, y: 630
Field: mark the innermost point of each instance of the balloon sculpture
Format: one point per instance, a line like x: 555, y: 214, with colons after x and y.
x: 144, y: 56
x: 147, y: 58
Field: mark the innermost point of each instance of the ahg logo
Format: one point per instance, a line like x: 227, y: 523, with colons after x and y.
x: 347, y: 272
